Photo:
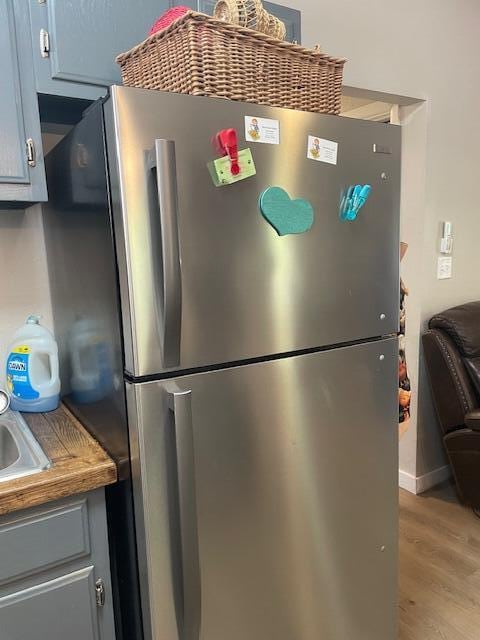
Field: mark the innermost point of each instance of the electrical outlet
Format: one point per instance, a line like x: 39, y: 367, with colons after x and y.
x: 444, y: 268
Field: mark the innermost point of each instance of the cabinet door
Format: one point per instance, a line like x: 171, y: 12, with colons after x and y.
x: 58, y: 609
x: 50, y: 559
x: 19, y: 120
x: 84, y: 36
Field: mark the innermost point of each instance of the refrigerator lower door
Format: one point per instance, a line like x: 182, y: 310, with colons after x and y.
x: 266, y: 499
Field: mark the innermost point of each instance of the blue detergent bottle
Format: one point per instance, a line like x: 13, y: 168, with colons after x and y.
x: 33, y: 380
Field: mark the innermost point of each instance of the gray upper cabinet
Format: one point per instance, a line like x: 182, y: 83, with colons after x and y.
x: 75, y: 42
x: 73, y: 45
x: 22, y: 177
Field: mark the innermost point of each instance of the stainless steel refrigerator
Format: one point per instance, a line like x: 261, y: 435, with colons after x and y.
x: 246, y: 381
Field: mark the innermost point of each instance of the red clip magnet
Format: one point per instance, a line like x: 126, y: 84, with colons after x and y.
x: 227, y: 145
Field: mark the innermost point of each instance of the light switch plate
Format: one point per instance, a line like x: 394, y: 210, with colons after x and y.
x: 444, y: 268
x: 446, y: 245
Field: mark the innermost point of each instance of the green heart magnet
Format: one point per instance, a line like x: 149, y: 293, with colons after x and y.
x: 284, y: 214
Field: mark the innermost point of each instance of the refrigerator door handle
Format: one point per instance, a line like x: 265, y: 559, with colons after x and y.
x: 180, y: 404
x: 163, y: 160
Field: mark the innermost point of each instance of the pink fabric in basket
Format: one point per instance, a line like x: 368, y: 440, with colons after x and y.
x: 167, y: 18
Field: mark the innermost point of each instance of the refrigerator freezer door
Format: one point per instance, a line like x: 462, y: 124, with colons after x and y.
x: 274, y: 487
x: 205, y: 279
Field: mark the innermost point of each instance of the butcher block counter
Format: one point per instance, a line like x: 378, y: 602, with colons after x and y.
x: 79, y: 464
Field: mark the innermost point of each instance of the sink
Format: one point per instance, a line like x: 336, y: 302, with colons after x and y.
x: 9, y: 453
x: 20, y: 453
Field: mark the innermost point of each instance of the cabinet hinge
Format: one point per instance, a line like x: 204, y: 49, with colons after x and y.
x: 100, y: 592
x: 31, y: 153
x: 44, y: 43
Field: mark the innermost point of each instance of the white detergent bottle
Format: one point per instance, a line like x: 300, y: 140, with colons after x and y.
x: 92, y: 372
x: 32, y: 369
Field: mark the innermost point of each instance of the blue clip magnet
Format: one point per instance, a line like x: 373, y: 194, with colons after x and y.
x: 354, y: 199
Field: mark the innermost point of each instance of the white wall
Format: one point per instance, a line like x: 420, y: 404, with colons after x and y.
x: 427, y: 50
x: 24, y: 287
x: 412, y: 205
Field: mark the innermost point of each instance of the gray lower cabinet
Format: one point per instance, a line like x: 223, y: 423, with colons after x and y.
x: 55, y: 573
x: 22, y: 177
x: 60, y: 608
x: 75, y: 42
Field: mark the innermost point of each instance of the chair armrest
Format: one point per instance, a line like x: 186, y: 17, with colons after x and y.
x: 472, y: 420
x: 452, y: 390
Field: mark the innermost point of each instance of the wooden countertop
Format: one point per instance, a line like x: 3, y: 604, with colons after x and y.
x: 79, y: 463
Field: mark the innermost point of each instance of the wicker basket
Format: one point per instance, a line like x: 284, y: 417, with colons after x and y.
x: 204, y: 56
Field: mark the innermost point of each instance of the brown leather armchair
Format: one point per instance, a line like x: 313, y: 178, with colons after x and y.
x: 452, y: 355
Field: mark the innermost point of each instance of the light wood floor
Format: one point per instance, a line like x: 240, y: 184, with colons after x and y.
x: 439, y: 567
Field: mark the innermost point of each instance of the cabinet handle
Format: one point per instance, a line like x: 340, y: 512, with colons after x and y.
x: 44, y: 43
x: 31, y: 152
x: 100, y: 593
x: 180, y: 404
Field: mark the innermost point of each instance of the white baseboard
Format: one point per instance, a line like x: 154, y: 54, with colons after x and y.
x: 407, y: 481
x: 431, y: 479
x: 419, y: 484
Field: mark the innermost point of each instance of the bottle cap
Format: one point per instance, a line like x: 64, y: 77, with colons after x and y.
x: 33, y: 319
